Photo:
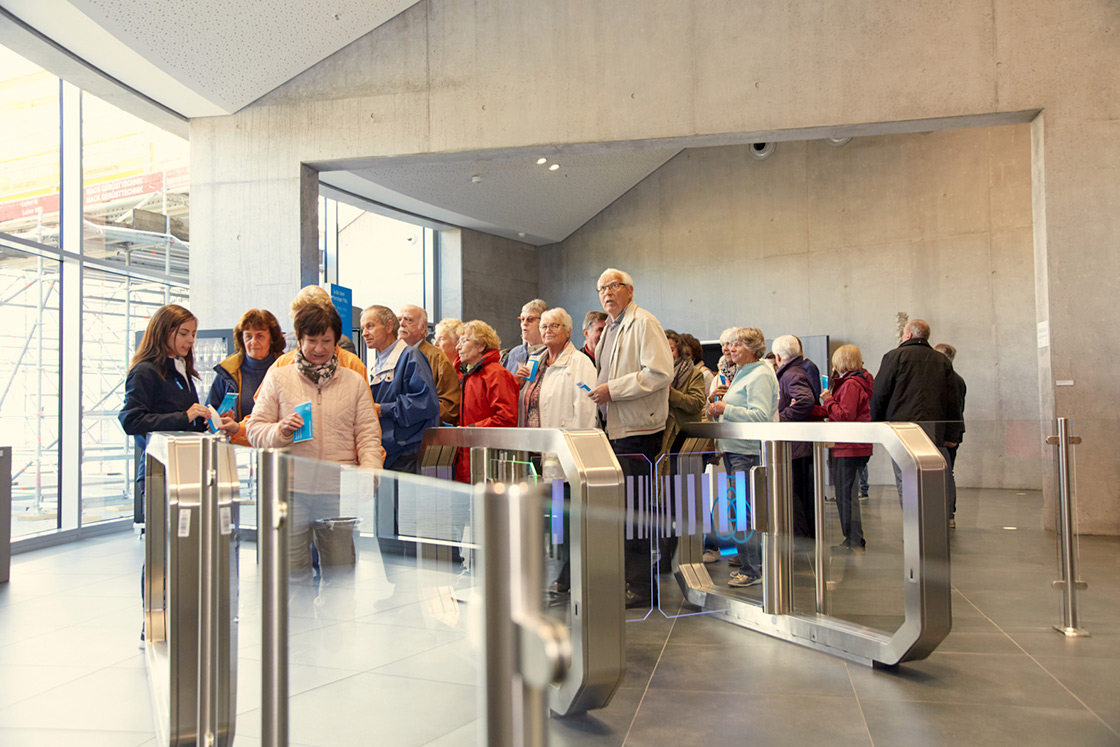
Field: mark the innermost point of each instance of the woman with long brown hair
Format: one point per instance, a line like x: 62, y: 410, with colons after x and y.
x: 159, y: 391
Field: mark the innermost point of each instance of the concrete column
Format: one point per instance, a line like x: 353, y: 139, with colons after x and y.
x: 1077, y: 232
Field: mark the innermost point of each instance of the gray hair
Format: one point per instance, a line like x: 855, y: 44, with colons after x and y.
x: 592, y: 317
x: 536, y: 306
x: 751, y: 338
x: 918, y: 329
x: 560, y: 315
x: 623, y: 277
x: 385, y: 315
x: 948, y: 350
x: 725, y: 335
x: 786, y: 347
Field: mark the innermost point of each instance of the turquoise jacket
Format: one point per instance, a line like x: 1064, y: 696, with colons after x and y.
x: 751, y: 398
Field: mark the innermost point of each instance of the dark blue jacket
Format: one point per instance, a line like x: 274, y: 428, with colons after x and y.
x: 795, y: 400
x: 155, y: 403
x: 409, y: 403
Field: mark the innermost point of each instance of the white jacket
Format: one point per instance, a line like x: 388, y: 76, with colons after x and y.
x: 346, y: 429
x: 640, y: 374
x: 563, y: 404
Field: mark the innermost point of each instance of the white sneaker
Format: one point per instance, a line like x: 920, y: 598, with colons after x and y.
x: 740, y: 580
x: 711, y: 556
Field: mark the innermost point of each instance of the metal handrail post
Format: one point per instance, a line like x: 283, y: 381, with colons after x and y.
x: 1069, y: 583
x: 777, y: 572
x: 272, y: 535
x: 499, y: 661
x: 208, y: 594
x: 819, y: 461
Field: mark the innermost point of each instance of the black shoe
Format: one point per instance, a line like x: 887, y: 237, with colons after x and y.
x: 634, y: 601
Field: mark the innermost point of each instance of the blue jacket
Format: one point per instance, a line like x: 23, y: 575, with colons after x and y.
x: 408, y: 399
x: 155, y: 403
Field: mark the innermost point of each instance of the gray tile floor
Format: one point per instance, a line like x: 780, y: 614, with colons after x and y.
x: 70, y: 671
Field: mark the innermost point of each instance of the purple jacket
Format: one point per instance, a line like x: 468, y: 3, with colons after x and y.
x: 795, y: 400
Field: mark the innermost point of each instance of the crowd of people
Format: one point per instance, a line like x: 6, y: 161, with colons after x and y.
x: 632, y: 378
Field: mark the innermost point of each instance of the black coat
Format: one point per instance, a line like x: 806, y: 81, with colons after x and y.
x: 157, y: 403
x: 915, y: 383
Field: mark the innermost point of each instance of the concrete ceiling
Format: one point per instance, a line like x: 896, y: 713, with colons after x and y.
x: 508, y: 194
x: 204, y: 57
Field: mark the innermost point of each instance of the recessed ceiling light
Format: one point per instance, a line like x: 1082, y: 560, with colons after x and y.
x: 1011, y: 527
x: 542, y: 161
x: 476, y: 178
x: 553, y: 167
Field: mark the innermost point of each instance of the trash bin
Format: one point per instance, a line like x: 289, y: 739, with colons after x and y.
x: 334, y: 539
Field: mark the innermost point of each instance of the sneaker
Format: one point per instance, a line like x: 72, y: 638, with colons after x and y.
x: 830, y: 499
x: 741, y: 580
x: 712, y: 556
x: 842, y: 547
x: 952, y: 523
x: 733, y: 560
x: 864, y: 497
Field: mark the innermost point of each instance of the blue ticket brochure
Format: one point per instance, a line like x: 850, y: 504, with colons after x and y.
x: 824, y: 381
x: 229, y: 403
x: 307, y: 430
x: 583, y: 386
x: 534, y: 364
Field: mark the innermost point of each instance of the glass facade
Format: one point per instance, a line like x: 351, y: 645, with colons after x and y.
x: 71, y: 319
x: 384, y: 260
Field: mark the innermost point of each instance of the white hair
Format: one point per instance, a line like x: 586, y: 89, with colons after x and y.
x: 725, y: 335
x: 537, y: 306
x: 558, y: 314
x: 623, y: 277
x: 786, y: 347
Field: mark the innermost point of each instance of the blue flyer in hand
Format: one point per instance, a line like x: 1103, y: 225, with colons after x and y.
x: 229, y: 403
x: 307, y: 430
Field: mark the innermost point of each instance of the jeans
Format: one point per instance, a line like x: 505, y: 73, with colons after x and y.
x: 847, y: 504
x: 864, y: 486
x: 750, y: 552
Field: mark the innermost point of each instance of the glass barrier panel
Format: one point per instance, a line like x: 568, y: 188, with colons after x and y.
x: 385, y: 606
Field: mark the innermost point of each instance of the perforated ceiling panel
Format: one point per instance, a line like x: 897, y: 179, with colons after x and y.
x: 235, y: 51
x: 507, y: 196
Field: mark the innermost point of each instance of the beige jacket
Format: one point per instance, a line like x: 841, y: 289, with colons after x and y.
x: 640, y: 374
x: 346, y: 429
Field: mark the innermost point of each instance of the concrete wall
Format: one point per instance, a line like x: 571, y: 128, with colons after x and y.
x: 499, y: 277
x: 446, y: 77
x: 823, y: 240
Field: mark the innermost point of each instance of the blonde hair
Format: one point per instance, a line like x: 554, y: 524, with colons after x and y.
x: 847, y: 358
x: 307, y: 295
x: 482, y: 333
x: 449, y: 326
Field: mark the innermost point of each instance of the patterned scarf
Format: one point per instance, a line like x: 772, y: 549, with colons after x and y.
x: 317, y: 375
x: 682, y: 369
x: 727, y: 369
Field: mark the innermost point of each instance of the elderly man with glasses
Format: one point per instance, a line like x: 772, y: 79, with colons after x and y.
x: 632, y: 390
x: 531, y: 342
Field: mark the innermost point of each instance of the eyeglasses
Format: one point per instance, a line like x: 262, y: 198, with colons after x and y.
x: 551, y: 327
x: 528, y: 319
x: 611, y: 287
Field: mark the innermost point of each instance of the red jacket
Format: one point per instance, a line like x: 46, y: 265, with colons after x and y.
x: 488, y: 400
x: 850, y: 403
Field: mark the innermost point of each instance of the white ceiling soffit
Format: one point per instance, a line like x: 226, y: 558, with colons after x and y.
x: 204, y: 57
x: 513, y: 196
